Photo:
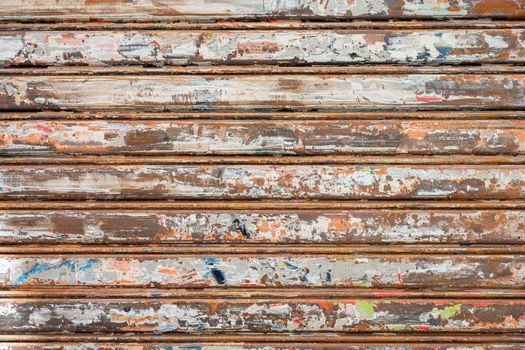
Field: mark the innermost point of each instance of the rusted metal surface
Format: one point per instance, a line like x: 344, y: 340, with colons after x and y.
x: 279, y: 315
x: 254, y: 346
x: 270, y: 226
x: 263, y: 92
x: 37, y: 138
x: 248, y: 47
x: 409, y: 271
x: 262, y: 182
x: 262, y: 175
x: 169, y: 10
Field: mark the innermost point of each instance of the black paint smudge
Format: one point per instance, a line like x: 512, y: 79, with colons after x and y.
x: 218, y: 276
x: 241, y: 228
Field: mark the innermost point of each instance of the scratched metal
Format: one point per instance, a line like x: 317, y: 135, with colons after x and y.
x: 281, y: 315
x: 269, y: 226
x: 150, y: 10
x: 403, y: 271
x: 261, y: 92
x: 268, y: 137
x: 248, y: 47
x: 263, y: 181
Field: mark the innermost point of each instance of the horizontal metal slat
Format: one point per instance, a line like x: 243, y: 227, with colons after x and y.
x: 113, y: 48
x: 261, y: 315
x: 262, y: 182
x: 367, y: 270
x: 55, y: 138
x: 329, y: 226
x: 352, y: 92
x: 176, y: 10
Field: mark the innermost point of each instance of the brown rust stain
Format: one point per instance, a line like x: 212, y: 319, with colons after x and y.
x: 489, y: 7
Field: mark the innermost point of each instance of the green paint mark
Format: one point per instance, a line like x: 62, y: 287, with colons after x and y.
x: 361, y: 284
x: 366, y: 309
x: 447, y: 312
x: 396, y: 327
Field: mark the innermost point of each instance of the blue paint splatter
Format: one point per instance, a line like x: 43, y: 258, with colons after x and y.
x: 71, y: 264
x: 443, y: 51
x: 210, y: 261
x: 34, y: 270
x: 87, y: 265
x: 291, y: 266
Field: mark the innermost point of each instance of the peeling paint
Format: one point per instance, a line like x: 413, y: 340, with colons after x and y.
x: 235, y: 47
x: 276, y: 271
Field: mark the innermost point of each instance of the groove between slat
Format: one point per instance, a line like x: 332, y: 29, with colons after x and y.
x: 329, y: 338
x: 259, y: 115
x: 15, y: 162
x: 243, y: 293
x: 259, y: 346
x: 253, y: 205
x: 249, y: 249
x: 374, y: 70
x: 274, y: 24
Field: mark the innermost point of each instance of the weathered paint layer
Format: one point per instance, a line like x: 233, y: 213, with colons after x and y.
x: 262, y: 181
x: 262, y: 137
x: 336, y: 92
x: 269, y: 226
x: 148, y: 10
x: 409, y: 271
x: 161, y: 316
x: 247, y: 47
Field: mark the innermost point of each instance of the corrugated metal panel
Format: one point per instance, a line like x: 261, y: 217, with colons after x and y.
x: 262, y: 175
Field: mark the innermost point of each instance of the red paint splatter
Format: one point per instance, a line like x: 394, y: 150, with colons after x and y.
x: 297, y: 321
x: 481, y: 304
x: 44, y: 128
x: 399, y: 278
x: 155, y: 44
x: 427, y: 98
x: 424, y: 328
